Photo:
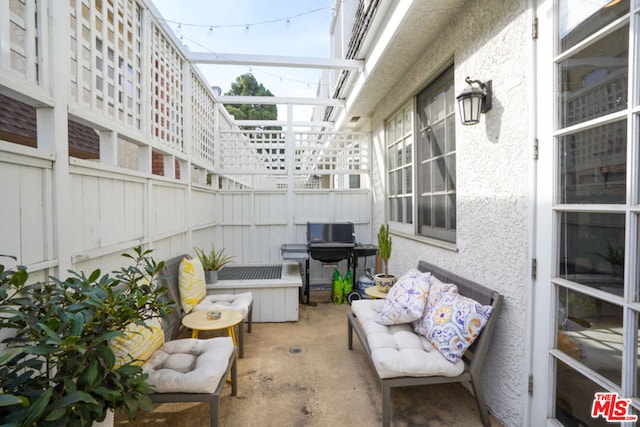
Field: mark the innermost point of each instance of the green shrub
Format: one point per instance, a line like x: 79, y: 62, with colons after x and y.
x: 58, y: 368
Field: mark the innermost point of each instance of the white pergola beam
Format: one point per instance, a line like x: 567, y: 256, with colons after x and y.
x: 274, y: 61
x: 267, y: 123
x: 279, y: 100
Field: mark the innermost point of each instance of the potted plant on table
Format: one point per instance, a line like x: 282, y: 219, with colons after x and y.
x: 212, y: 262
x: 384, y: 281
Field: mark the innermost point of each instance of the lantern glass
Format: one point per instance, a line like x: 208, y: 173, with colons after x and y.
x: 470, y: 106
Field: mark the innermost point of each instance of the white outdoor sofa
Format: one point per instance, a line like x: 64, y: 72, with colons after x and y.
x: 402, y: 360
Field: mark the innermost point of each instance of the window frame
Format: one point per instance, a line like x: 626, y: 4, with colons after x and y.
x: 410, y: 224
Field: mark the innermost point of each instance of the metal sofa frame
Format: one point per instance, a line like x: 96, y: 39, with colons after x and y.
x: 473, y: 358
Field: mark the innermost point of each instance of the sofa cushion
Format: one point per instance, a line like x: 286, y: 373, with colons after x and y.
x: 191, y: 283
x: 396, y: 350
x: 453, y: 322
x: 189, y: 365
x: 234, y: 302
x: 406, y: 299
x: 137, y: 342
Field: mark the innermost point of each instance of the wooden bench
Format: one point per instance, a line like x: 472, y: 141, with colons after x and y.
x: 473, y: 358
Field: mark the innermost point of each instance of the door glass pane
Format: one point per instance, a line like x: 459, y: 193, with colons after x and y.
x: 593, y: 81
x: 637, y: 367
x: 592, y: 250
x: 593, y: 165
x: 590, y: 331
x: 580, y: 19
x: 574, y: 398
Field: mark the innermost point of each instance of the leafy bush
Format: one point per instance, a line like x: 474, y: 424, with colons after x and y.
x: 58, y: 368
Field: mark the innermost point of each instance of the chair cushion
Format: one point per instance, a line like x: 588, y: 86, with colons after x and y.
x: 406, y: 299
x: 234, y: 302
x: 396, y: 350
x: 453, y: 322
x: 191, y: 283
x: 137, y: 343
x: 189, y: 365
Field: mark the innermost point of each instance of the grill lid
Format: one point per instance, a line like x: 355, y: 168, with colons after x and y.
x: 333, y: 232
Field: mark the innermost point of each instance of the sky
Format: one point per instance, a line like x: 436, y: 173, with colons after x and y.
x: 261, y: 27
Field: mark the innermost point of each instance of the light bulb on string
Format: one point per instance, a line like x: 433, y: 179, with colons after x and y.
x: 246, y: 29
x: 211, y: 31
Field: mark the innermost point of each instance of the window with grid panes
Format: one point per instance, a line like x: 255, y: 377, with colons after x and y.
x: 436, y: 159
x: 399, y: 130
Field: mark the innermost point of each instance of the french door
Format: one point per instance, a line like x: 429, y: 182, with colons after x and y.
x: 586, y: 293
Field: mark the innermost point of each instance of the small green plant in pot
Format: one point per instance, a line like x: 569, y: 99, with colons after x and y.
x: 384, y: 281
x: 212, y: 262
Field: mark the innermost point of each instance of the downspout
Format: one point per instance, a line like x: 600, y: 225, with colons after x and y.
x: 533, y: 194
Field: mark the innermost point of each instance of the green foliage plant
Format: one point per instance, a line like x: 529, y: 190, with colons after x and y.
x: 214, y: 260
x: 384, y: 246
x: 57, y: 368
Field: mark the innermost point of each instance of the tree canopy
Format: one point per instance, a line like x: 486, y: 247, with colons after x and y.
x: 247, y: 85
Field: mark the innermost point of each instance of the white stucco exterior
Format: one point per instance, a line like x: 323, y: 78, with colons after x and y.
x: 493, y: 173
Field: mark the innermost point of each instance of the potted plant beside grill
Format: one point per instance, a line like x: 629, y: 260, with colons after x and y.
x: 212, y: 262
x: 384, y: 281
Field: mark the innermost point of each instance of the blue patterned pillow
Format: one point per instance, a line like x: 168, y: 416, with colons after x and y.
x: 406, y: 299
x: 452, y: 322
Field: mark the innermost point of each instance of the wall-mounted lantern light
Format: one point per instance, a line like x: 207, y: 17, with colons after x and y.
x: 474, y: 99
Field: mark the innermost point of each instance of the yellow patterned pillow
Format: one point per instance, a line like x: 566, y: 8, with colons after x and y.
x: 137, y: 343
x: 191, y: 283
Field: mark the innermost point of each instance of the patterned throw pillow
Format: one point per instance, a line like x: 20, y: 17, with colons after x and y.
x: 406, y: 299
x: 191, y: 283
x: 137, y: 343
x: 453, y: 322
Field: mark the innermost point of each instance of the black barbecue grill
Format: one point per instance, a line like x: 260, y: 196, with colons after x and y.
x: 328, y: 243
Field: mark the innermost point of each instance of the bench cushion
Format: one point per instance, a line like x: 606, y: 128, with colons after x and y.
x: 189, y: 365
x: 234, y: 302
x: 396, y: 350
x: 406, y: 299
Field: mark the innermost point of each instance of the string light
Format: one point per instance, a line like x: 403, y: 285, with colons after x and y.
x: 247, y: 26
x: 286, y: 20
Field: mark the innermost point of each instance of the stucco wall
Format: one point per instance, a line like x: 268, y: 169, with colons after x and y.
x: 488, y: 40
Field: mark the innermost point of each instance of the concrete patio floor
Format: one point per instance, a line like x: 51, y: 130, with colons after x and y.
x: 302, y: 374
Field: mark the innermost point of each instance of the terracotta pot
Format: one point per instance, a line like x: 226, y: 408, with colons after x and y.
x: 384, y: 282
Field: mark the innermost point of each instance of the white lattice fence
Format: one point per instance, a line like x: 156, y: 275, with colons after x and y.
x: 203, y: 113
x: 107, y: 59
x: 300, y: 160
x: 21, y: 21
x: 331, y: 152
